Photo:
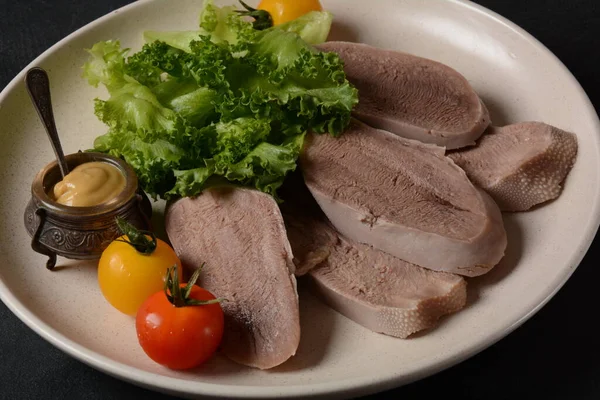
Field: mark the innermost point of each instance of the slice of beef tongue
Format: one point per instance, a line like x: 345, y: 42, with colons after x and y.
x: 240, y: 235
x: 383, y: 293
x: 308, y: 230
x: 403, y: 197
x: 520, y: 165
x: 370, y: 287
x: 411, y: 96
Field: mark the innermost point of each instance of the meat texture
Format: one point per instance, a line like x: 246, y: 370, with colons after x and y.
x: 371, y: 287
x: 411, y: 96
x: 520, y: 165
x: 383, y: 293
x: 404, y: 197
x: 240, y: 235
x: 309, y: 251
x: 308, y: 230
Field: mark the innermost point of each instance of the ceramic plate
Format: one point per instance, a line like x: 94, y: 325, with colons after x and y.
x: 515, y: 75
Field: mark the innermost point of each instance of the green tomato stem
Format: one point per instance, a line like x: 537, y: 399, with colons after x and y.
x: 138, y: 239
x: 262, y: 18
x: 181, y: 298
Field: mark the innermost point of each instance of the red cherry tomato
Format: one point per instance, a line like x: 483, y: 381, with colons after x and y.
x: 180, y: 337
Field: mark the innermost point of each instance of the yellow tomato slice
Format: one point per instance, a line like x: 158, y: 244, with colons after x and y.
x: 287, y: 10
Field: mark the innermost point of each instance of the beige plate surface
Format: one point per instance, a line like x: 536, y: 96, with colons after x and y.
x: 515, y: 75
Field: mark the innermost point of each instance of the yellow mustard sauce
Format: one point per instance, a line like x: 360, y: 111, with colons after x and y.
x: 89, y: 184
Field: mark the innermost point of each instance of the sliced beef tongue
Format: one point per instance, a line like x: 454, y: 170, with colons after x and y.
x: 405, y: 198
x: 309, y: 250
x: 411, y: 96
x: 383, y: 293
x: 240, y: 235
x: 308, y: 230
x: 520, y: 165
x: 371, y: 287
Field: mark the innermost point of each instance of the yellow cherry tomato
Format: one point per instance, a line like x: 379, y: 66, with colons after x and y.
x: 128, y: 277
x: 287, y: 10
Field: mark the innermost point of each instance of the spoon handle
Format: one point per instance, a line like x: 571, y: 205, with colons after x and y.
x: 38, y: 86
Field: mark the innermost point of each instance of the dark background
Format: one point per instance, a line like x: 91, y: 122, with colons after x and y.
x: 555, y: 355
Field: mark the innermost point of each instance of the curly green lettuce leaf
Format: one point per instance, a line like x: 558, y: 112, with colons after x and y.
x: 224, y: 24
x: 106, y: 64
x: 158, y: 62
x: 194, y: 104
x: 312, y: 27
x: 151, y: 65
x: 178, y: 39
x: 237, y: 138
x: 309, y: 92
x: 153, y: 162
x: 131, y: 106
x: 134, y: 107
x: 214, y: 20
x: 218, y: 24
x: 190, y: 182
x: 226, y: 103
x: 267, y: 165
x: 264, y: 168
x: 275, y: 52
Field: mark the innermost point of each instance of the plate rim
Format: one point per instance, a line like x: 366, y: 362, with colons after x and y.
x: 341, y: 387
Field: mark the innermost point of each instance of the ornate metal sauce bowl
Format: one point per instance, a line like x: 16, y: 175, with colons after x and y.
x: 81, y: 232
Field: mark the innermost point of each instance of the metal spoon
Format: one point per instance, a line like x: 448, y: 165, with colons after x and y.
x: 38, y: 86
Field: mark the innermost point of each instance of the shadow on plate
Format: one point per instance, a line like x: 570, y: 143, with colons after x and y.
x: 514, y: 252
x: 218, y: 366
x: 314, y: 341
x: 498, y: 115
x: 316, y: 331
x: 158, y: 224
x: 64, y: 263
x: 343, y: 32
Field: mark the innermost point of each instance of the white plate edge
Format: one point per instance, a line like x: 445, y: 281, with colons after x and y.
x: 350, y: 386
